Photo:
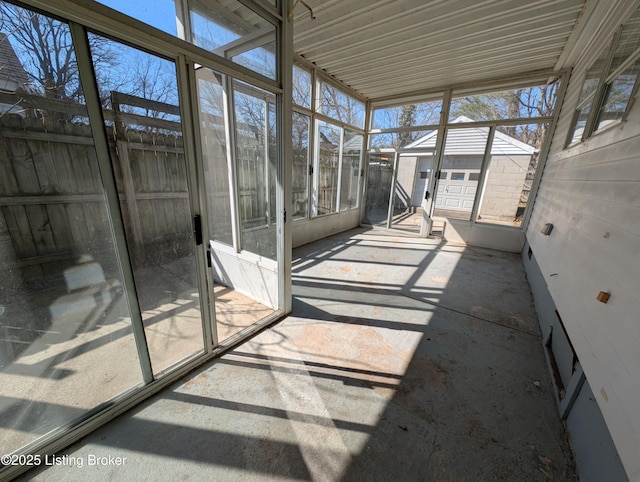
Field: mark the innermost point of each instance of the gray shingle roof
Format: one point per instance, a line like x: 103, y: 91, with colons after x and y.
x: 10, y: 66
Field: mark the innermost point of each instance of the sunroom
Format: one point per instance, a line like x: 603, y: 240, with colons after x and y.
x: 160, y: 162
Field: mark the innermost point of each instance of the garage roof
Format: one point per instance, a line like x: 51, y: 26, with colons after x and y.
x: 473, y: 140
x: 385, y: 48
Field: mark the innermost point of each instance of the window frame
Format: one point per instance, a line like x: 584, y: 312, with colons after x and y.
x: 598, y: 97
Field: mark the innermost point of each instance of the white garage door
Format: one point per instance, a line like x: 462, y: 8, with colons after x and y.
x: 457, y: 189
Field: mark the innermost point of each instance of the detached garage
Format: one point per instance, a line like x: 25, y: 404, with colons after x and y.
x: 511, y: 165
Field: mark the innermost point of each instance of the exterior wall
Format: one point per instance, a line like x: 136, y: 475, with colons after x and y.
x: 503, y: 187
x: 591, y: 194
x: 595, y: 453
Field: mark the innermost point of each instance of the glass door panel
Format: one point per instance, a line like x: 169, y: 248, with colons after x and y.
x: 255, y: 137
x: 411, y: 187
x: 351, y: 163
x: 66, y: 342
x: 235, y: 266
x: 378, y: 188
x: 211, y: 107
x: 140, y: 95
x: 326, y: 169
x: 300, y: 175
x: 459, y: 172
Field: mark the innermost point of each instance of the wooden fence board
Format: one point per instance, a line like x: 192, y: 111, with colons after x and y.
x: 44, y: 166
x: 126, y: 99
x: 59, y: 224
x: 40, y: 229
x: 8, y: 182
x: 51, y: 188
x: 20, y: 231
x: 77, y: 223
x: 23, y: 167
x: 45, y: 137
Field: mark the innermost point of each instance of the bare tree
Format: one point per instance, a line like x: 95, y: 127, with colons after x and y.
x: 340, y: 106
x: 46, y: 51
x: 406, y: 117
x: 526, y: 103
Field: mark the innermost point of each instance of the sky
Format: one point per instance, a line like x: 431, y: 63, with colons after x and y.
x: 157, y: 13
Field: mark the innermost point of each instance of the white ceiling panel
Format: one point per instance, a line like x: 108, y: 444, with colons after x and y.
x: 391, y: 47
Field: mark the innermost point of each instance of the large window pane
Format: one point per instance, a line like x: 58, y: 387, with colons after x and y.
x: 350, y: 171
x: 300, y: 175
x: 621, y: 80
x: 512, y: 166
x: 66, y: 343
x: 617, y: 96
x: 584, y: 107
x: 326, y: 169
x: 336, y: 104
x: 140, y: 90
x: 216, y: 169
x: 408, y: 115
x: 231, y: 30
x: 526, y: 102
x: 301, y: 87
x: 587, y: 94
x: 255, y: 165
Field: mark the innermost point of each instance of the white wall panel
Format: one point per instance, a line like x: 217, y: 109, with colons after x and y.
x: 591, y: 194
x: 307, y: 231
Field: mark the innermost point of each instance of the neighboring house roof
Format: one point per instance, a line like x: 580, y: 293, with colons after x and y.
x: 353, y: 144
x: 473, y: 140
x: 10, y: 66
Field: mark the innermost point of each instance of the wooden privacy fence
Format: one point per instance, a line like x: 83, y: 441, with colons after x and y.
x: 52, y: 205
x: 51, y: 198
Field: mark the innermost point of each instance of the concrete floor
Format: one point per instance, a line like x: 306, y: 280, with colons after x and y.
x: 403, y: 359
x: 85, y: 354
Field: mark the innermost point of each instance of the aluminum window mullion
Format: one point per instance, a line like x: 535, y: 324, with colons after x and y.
x: 391, y: 130
x: 439, y: 153
x: 267, y: 186
x: 392, y: 191
x: 316, y: 170
x: 183, y: 16
x: 486, y: 159
x: 188, y: 101
x: 94, y: 108
x: 211, y: 332
x: 284, y: 166
x: 363, y: 156
x: 339, y: 183
x: 310, y: 166
x: 267, y: 12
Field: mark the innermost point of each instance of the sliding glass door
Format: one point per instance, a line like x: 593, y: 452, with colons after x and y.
x: 98, y: 229
x: 139, y: 94
x: 67, y: 341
